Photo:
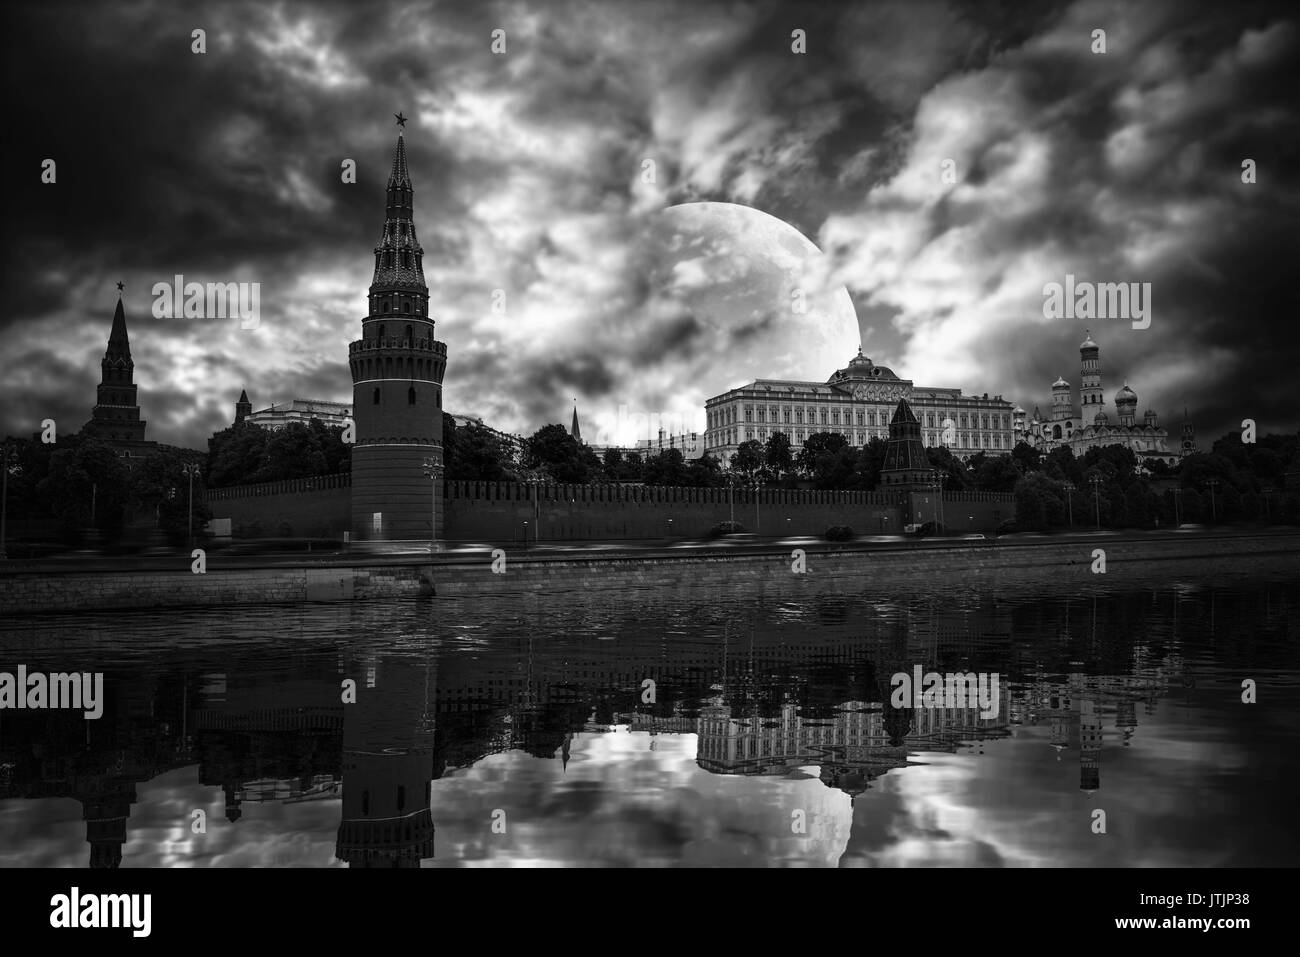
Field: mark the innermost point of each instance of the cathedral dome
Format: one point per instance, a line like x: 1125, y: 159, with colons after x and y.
x: 1060, y: 384
x: 1087, y: 341
x: 1100, y: 419
x: 1126, y: 396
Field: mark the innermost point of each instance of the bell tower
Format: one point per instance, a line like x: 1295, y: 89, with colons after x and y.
x: 1091, y: 398
x: 397, y: 368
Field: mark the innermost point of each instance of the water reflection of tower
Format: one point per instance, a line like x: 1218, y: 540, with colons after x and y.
x: 233, y: 811
x: 387, y: 768
x: 1126, y: 717
x: 1089, y: 746
x: 105, y: 812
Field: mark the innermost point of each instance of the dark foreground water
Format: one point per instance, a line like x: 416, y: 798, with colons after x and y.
x: 521, y: 730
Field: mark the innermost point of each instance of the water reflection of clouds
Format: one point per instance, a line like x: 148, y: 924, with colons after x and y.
x: 619, y: 803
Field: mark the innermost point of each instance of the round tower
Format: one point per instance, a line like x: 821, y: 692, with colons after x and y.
x: 1090, y: 394
x: 397, y: 368
x: 388, y: 743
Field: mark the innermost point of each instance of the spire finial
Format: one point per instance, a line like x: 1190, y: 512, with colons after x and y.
x: 401, y: 120
x: 120, y: 286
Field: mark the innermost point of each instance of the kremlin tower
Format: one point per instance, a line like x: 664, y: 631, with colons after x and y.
x: 116, y: 416
x: 397, y: 368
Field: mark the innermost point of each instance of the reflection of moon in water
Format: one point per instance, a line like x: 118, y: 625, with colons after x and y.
x: 737, y: 270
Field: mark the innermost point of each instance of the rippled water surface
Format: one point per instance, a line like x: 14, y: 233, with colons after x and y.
x: 523, y: 730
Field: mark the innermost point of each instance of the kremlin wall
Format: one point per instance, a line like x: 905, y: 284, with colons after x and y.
x: 496, y: 511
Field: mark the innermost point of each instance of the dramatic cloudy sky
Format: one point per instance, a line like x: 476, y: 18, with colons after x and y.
x: 530, y: 175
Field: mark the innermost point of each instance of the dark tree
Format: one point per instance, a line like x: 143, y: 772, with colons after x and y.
x: 552, y: 449
x: 480, y: 455
x: 748, y: 458
x: 955, y: 476
x: 996, y: 474
x: 816, y: 445
x: 87, y: 486
x: 1027, y: 458
x: 777, y: 454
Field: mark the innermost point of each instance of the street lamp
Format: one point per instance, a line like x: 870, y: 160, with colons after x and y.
x: 731, y: 496
x: 189, y: 469
x: 1213, y: 483
x: 433, y: 469
x: 1095, y: 480
x: 935, y: 487
x: 533, y: 478
x: 5, y: 453
x: 1178, y: 497
x: 1069, y: 501
x: 757, y: 486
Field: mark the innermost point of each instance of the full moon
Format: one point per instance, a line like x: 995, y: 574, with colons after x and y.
x: 737, y: 295
x: 763, y: 285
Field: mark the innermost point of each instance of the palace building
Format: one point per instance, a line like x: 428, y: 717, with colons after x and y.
x: 858, y: 402
x: 1087, y: 425
x: 279, y: 415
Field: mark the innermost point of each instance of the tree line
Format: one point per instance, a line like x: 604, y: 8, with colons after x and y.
x: 80, y: 484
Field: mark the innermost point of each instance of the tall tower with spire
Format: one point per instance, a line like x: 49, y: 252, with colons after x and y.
x: 397, y: 368
x: 1090, y: 394
x: 243, y: 408
x: 575, y: 431
x: 116, y: 416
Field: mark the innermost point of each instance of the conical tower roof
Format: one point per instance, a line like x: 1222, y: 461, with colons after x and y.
x: 400, y: 176
x: 119, y: 345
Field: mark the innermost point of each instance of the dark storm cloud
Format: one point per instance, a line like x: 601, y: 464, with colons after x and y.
x: 1116, y: 168
x: 225, y: 167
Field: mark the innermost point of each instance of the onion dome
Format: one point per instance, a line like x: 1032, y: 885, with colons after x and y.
x: 1060, y: 384
x: 1126, y: 396
x: 1087, y: 340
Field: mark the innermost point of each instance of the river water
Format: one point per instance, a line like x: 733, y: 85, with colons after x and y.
x: 749, y: 725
